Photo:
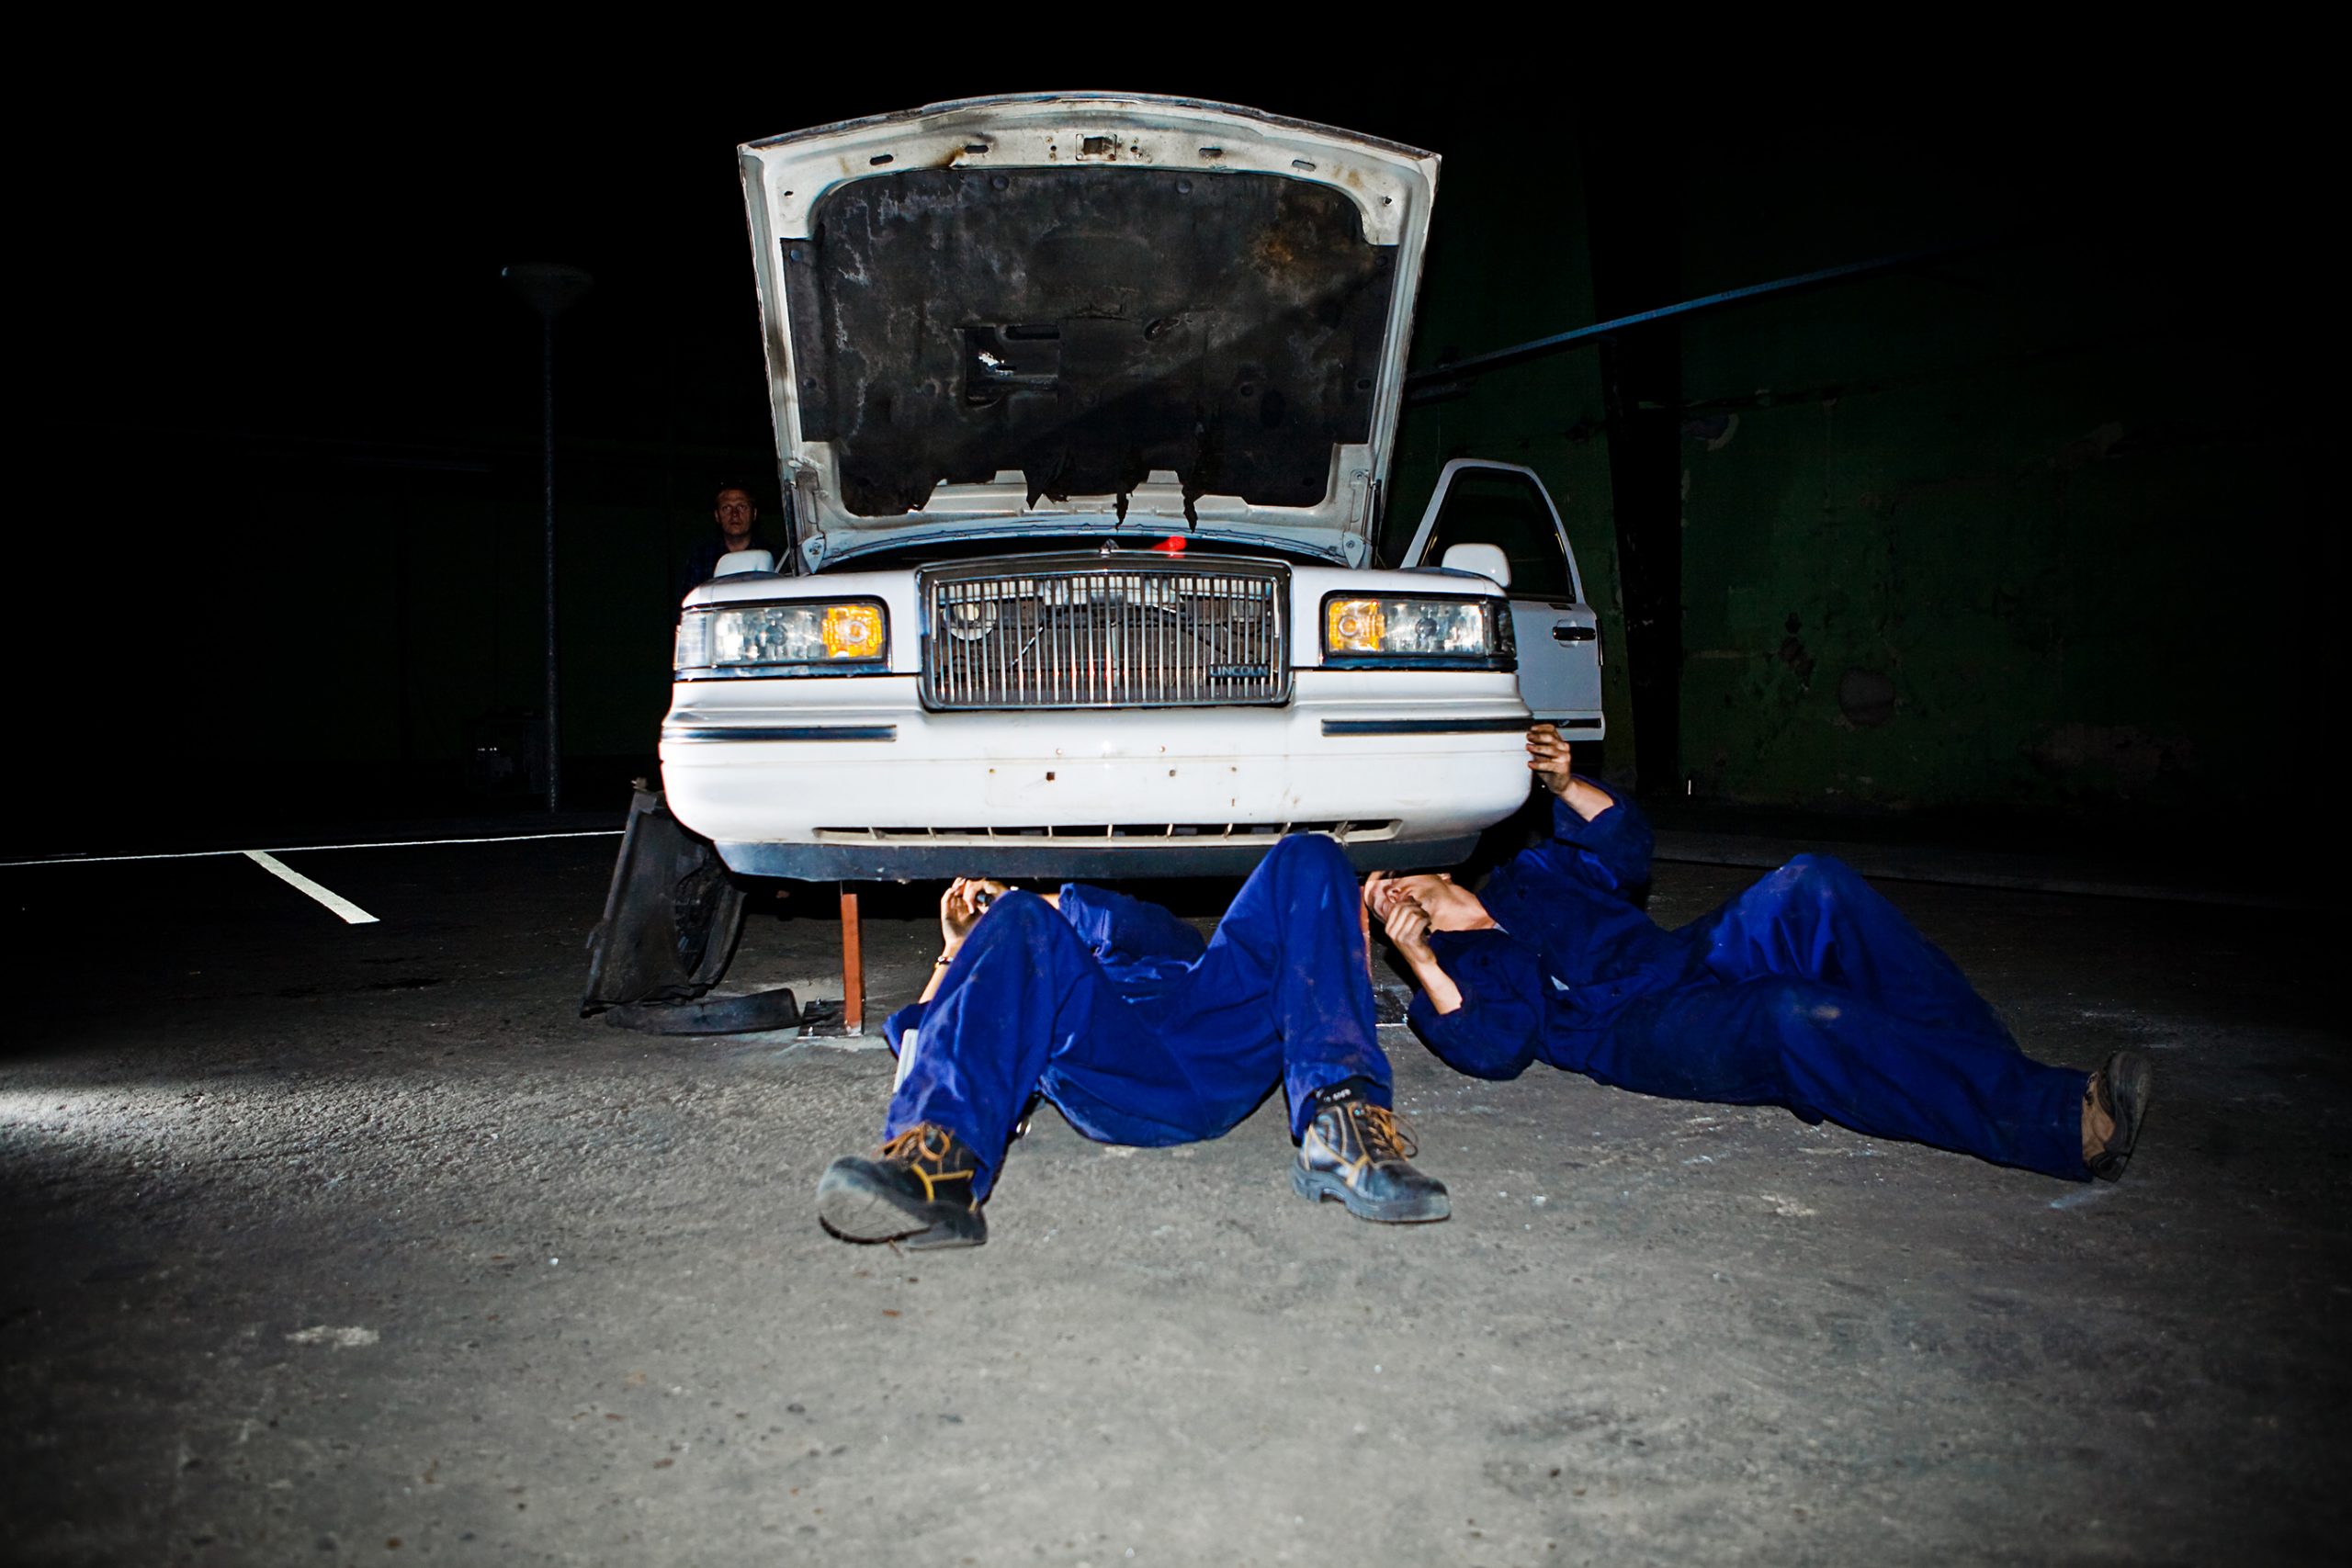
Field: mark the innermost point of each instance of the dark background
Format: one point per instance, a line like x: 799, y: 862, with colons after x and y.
x: 2027, y: 535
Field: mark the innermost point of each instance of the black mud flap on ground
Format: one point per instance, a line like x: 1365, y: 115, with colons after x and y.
x: 671, y: 919
x: 714, y: 1015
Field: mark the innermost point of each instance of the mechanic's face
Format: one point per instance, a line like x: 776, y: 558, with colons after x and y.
x: 735, y: 514
x: 1450, y: 906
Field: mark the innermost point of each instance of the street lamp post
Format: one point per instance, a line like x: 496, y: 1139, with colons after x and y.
x: 551, y: 287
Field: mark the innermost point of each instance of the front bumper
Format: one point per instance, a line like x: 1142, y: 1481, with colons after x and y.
x: 853, y: 778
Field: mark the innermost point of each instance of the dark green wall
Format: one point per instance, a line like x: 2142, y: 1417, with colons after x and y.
x: 2031, y: 530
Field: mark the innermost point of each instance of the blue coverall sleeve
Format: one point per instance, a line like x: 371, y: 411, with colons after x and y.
x: 1112, y: 923
x: 1494, y: 1033
x: 1613, y: 848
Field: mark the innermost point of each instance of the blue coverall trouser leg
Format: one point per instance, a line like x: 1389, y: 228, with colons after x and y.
x: 1281, y: 995
x: 1818, y: 995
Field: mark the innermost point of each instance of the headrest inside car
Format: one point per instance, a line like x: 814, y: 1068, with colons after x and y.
x: 1487, y: 560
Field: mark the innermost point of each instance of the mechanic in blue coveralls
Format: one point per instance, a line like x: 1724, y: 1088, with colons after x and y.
x: 1808, y: 990
x: 1140, y: 1033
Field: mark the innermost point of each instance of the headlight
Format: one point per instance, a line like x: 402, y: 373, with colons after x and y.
x: 968, y: 620
x: 781, y: 638
x: 1468, y: 631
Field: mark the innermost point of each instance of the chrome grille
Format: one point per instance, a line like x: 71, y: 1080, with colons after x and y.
x: 1083, y: 636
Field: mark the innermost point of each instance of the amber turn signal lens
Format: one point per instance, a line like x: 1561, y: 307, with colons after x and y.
x: 853, y: 631
x: 1353, y: 626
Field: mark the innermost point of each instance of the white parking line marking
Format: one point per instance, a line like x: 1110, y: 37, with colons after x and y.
x: 352, y: 913
x: 306, y: 849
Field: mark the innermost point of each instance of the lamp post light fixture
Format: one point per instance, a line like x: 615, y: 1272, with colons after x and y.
x: 552, y: 288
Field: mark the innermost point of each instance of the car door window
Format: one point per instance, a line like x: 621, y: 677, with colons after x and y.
x: 1494, y: 506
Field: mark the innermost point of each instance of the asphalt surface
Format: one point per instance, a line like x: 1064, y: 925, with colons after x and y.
x: 328, y: 1241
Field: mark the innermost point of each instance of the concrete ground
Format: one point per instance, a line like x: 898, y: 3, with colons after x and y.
x: 328, y: 1242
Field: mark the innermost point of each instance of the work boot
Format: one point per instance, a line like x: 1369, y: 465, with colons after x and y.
x: 916, y: 1190
x: 1355, y: 1151
x: 2115, y: 1101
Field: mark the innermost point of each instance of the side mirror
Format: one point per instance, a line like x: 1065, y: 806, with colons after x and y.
x: 1487, y: 560
x: 738, y: 561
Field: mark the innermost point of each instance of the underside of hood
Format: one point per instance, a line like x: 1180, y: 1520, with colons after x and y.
x: 1070, y: 312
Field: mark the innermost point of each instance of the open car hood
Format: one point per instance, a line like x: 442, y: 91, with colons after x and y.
x: 1070, y: 312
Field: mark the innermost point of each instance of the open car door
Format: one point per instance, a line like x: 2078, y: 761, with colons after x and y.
x: 1504, y: 505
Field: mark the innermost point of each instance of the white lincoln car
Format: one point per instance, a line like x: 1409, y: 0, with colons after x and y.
x: 1085, y: 404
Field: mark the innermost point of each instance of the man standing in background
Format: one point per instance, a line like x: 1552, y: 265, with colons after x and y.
x: 735, y: 512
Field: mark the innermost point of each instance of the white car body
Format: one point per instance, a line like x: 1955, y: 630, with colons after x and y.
x: 1086, y: 404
